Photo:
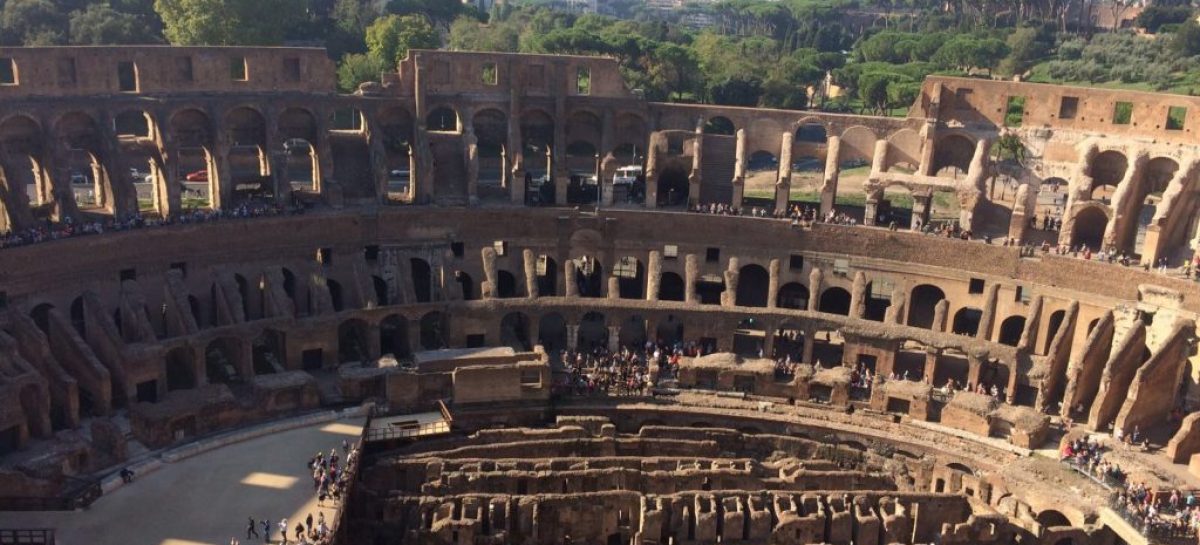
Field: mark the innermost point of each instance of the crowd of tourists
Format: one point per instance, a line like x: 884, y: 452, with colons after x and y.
x: 1159, y: 513
x: 1088, y: 456
x: 599, y: 371
x: 68, y: 228
x: 330, y: 475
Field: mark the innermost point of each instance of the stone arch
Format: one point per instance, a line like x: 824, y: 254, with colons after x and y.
x: 249, y: 164
x: 671, y: 287
x: 41, y: 316
x: 857, y: 145
x: 380, y: 291
x: 547, y: 277
x: 336, y: 295
x: 396, y: 125
x: 180, y: 369
x: 633, y: 332
x: 674, y: 185
x: 749, y: 338
x: 1050, y: 518
x: 78, y: 140
x: 792, y: 295
x: 393, y: 336
x: 268, y: 351
x: 552, y: 332
x: 466, y: 284
x: 1053, y: 323
x: 835, y: 300
x: 422, y: 279
x: 593, y: 332
x: 21, y: 140
x: 752, y: 286
x: 192, y: 132
x: 221, y: 357
x: 352, y: 341
x: 299, y: 133
x: 904, y: 150
x: 953, y: 150
x: 720, y: 125
x: 443, y: 118
x: 34, y: 405
x: 1090, y: 223
x: 811, y: 131
x: 537, y: 141
x: 514, y: 331
x: 1011, y: 329
x: 631, y: 278
x: 966, y: 321
x: 922, y: 305
x: 434, y: 328
x: 589, y: 276
x: 506, y: 285
x: 491, y: 132
x: 1107, y: 169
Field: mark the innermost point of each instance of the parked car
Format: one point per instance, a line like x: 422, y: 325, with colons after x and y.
x: 198, y: 176
x: 627, y: 175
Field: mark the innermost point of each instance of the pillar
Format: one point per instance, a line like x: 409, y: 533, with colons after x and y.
x: 729, y: 296
x: 614, y: 339
x: 697, y: 173
x: 921, y: 209
x: 1078, y: 189
x: 530, y: 264
x: 558, y: 152
x: 1024, y: 208
x: 871, y: 206
x: 807, y: 356
x: 614, y: 287
x: 931, y: 358
x: 471, y: 159
x: 895, y: 312
x: 971, y: 191
x: 487, y: 288
x: 989, y: 312
x: 773, y: 269
x: 783, y: 186
x: 1160, y: 231
x: 1029, y: 334
x: 515, y: 150
x: 572, y: 337
x: 657, y: 140
x: 814, y: 288
x: 1117, y: 233
x: 570, y: 285
x: 653, y: 275
x: 940, y: 310
x: 372, y: 340
x: 829, y: 182
x: 768, y: 347
x: 739, y: 170
x: 858, y: 295
x: 975, y: 363
x: 691, y: 270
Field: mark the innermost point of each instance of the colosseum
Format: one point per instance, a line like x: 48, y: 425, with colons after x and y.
x: 568, y: 315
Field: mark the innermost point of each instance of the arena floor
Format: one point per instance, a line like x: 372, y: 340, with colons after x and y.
x: 204, y: 500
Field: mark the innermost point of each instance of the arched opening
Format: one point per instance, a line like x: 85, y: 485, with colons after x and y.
x: 396, y: 125
x: 672, y: 186
x: 491, y: 134
x: 631, y: 278
x: 633, y: 333
x: 77, y: 317
x: 352, y: 342
x: 895, y: 208
x: 41, y: 316
x: 268, y: 352
x: 514, y: 331
x: 393, y: 337
x: 762, y: 173
x: 877, y: 300
x: 181, y: 369
x: 828, y: 348
x: 670, y: 287
x: 422, y: 279
x: 811, y: 132
x: 537, y: 143
x: 720, y: 125
x: 249, y: 165
x: 335, y: 294
x: 191, y: 130
x: 669, y: 331
x: 466, y: 284
x: 1011, y: 329
x: 506, y: 285
x: 835, y: 301
x: 219, y: 358
x: 433, y: 331
x: 589, y: 277
x: 709, y: 288
x: 749, y: 338
x: 21, y: 142
x: 789, y: 343
x: 1107, y: 170
x: 583, y: 171
x: 1089, y: 228
x: 954, y: 150
x: 547, y: 276
x: 1052, y: 325
x: 593, y: 333
x: 793, y: 295
x: 752, y: 286
x: 1051, y: 518
x: 442, y: 119
x: 381, y: 291
x: 966, y: 321
x: 552, y: 332
x: 922, y: 305
x: 297, y: 133
x: 79, y: 143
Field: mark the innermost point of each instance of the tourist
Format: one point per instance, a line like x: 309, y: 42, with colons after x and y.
x: 251, y: 532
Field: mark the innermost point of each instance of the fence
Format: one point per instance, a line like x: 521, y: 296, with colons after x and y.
x: 80, y: 494
x: 27, y: 536
x: 400, y: 430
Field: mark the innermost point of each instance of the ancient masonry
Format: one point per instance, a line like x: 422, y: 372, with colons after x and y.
x: 421, y: 235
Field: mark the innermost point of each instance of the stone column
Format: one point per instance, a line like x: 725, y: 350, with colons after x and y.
x: 570, y: 285
x: 971, y: 191
x: 729, y: 296
x: 572, y: 337
x: 814, y: 288
x: 768, y: 347
x: 515, y: 150
x: 471, y: 160
x: 773, y: 269
x: 1029, y: 334
x: 697, y: 174
x: 940, y: 310
x: 691, y: 270
x: 829, y: 182
x: 989, y: 312
x: 858, y: 295
x: 895, y: 312
x: 739, y: 170
x: 1079, y: 189
x: 921, y: 209
x: 614, y: 339
x: 975, y: 362
x: 530, y: 264
x: 657, y: 140
x: 783, y: 186
x: 1024, y: 207
x: 1159, y: 232
x: 373, y: 348
x: 488, y: 288
x: 653, y: 275
x: 614, y: 287
x: 807, y: 356
x: 1117, y: 233
x: 931, y: 358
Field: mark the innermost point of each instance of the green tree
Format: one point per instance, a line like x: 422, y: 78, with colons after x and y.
x: 438, y: 11
x: 32, y: 22
x: 228, y: 22
x: 101, y: 24
x: 390, y: 37
x: 357, y: 68
x: 1187, y: 39
x: 737, y: 91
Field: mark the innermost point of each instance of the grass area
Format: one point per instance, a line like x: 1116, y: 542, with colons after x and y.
x: 147, y: 205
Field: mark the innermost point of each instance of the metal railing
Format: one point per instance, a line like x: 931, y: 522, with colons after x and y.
x: 401, y: 430
x: 27, y: 536
x: 78, y: 495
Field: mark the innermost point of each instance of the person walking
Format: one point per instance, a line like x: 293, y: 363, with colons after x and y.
x: 250, y: 531
x: 308, y: 522
x: 283, y: 529
x: 266, y: 526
